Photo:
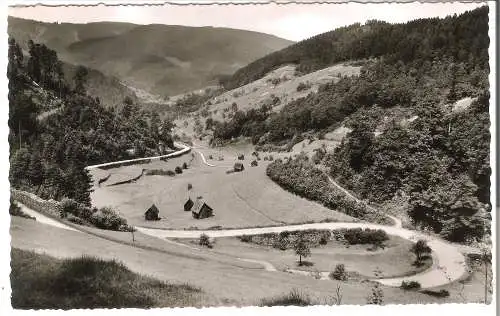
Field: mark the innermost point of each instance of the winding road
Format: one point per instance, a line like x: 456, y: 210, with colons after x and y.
x: 448, y: 261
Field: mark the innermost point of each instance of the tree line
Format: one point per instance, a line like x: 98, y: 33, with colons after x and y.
x: 48, y: 153
x: 439, y: 162
x: 436, y: 158
x: 459, y: 37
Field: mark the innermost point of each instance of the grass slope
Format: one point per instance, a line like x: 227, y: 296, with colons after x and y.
x: 43, y: 282
x: 246, y: 199
x: 360, y: 261
x: 225, y: 281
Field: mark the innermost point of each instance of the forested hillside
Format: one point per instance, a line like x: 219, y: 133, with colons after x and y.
x: 110, y: 91
x: 165, y: 60
x: 434, y: 162
x: 56, y: 128
x: 460, y: 38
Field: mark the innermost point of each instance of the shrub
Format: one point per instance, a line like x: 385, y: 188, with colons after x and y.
x: 303, y: 86
x: 205, y: 241
x: 184, y: 165
x: 376, y: 296
x: 294, y: 298
x: 254, y: 163
x: 246, y: 238
x: 375, y: 237
x: 339, y: 273
x: 67, y: 206
x: 281, y: 243
x: 170, y: 173
x: 160, y: 172
x: 76, y: 220
x: 241, y: 157
x: 71, y: 207
x: 440, y: 293
x: 284, y: 234
x: 104, y: 218
x: 107, y: 218
x: 410, y: 285
x: 178, y: 170
x: 323, y: 240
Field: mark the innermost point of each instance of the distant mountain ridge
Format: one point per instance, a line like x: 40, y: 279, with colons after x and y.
x: 161, y: 59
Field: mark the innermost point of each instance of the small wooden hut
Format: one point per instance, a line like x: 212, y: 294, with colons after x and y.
x: 188, y: 205
x: 152, y: 214
x: 238, y: 167
x: 202, y: 210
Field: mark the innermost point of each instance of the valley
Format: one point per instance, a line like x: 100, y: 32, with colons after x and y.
x: 238, y: 167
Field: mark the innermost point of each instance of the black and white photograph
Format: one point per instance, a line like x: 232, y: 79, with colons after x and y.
x: 208, y: 155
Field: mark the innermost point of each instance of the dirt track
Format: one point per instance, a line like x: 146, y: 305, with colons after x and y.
x: 449, y: 263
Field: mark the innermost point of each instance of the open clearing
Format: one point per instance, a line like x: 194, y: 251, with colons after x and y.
x: 393, y: 261
x: 281, y: 83
x: 244, y: 199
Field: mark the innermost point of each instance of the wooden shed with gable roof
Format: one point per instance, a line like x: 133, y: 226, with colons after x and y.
x: 188, y: 205
x: 201, y: 209
x: 152, y: 214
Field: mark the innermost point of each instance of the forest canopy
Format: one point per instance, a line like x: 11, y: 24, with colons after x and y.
x: 57, y: 129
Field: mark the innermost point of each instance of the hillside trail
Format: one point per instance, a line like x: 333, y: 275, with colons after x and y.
x: 448, y: 261
x: 203, y: 159
x: 397, y: 222
x: 45, y: 219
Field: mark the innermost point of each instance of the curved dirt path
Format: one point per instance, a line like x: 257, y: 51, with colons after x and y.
x: 203, y: 159
x: 448, y: 261
x: 195, y: 146
x: 44, y: 219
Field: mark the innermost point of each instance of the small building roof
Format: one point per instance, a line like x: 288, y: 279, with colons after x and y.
x: 188, y: 205
x: 153, y: 208
x: 198, y: 205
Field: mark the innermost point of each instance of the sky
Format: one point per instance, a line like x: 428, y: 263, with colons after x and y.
x: 290, y: 21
